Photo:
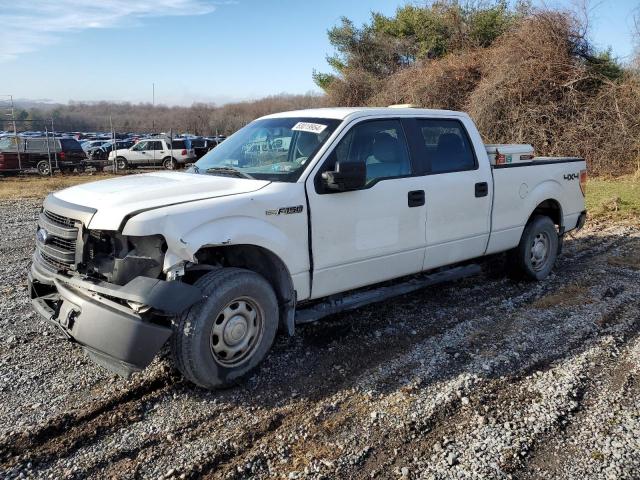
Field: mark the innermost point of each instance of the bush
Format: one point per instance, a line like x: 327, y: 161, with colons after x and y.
x: 524, y: 77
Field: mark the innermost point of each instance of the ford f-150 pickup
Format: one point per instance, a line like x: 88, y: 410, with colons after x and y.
x: 296, y: 216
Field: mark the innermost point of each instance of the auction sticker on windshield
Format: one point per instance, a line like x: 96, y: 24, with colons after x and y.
x: 309, y: 127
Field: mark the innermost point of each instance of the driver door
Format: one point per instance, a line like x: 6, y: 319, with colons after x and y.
x: 376, y: 233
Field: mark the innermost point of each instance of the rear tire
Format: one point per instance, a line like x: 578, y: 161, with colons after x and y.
x: 227, y: 334
x: 43, y: 168
x: 169, y: 163
x: 535, y: 255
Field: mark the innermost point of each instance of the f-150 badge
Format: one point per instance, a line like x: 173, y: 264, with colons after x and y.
x: 285, y: 210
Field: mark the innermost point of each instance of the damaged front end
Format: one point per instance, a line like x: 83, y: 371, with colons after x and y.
x: 104, y: 290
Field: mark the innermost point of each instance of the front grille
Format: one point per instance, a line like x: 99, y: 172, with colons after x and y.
x: 62, y: 243
x: 58, y: 251
x: 53, y: 264
x: 59, y: 219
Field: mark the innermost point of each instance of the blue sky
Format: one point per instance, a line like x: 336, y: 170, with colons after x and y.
x: 197, y: 50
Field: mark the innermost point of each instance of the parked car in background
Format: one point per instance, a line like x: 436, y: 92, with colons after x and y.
x: 202, y: 145
x: 155, y: 151
x: 91, y: 144
x: 98, y: 157
x: 64, y: 154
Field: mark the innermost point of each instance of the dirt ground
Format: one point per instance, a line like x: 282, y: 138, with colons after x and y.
x: 481, y: 378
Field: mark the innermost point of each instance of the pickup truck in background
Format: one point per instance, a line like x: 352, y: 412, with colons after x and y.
x: 296, y: 216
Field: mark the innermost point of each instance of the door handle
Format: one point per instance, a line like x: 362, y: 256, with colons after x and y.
x: 482, y: 189
x: 415, y: 198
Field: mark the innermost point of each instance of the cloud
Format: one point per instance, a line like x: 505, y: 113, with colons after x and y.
x: 29, y: 26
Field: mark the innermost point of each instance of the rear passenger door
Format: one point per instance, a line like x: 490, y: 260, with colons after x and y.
x: 457, y: 192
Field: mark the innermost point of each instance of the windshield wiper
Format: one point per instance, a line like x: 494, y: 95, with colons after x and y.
x: 230, y: 171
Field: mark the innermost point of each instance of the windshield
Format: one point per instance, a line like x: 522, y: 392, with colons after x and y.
x: 277, y: 149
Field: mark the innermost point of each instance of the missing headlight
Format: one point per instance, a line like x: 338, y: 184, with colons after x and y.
x: 118, y: 259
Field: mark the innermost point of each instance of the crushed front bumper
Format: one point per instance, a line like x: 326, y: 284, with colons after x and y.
x: 88, y: 312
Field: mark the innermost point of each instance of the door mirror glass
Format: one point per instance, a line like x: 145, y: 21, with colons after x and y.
x: 346, y: 176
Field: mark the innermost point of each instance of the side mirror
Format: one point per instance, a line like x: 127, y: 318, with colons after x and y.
x: 346, y: 176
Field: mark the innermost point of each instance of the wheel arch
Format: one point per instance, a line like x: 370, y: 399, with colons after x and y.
x: 551, y: 208
x: 262, y: 261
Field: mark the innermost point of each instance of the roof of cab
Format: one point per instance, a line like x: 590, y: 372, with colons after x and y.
x: 343, y: 113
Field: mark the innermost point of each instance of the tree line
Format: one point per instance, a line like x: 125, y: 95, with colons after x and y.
x: 198, y: 119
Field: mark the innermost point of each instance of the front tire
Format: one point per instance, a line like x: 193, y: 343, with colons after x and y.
x: 122, y: 163
x: 226, y: 335
x: 535, y: 255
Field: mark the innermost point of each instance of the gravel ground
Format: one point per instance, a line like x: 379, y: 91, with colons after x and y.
x: 482, y: 378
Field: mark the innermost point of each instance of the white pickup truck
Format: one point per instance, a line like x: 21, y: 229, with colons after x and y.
x: 296, y: 216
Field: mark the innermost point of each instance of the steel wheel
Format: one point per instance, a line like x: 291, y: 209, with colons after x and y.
x: 540, y: 251
x: 236, y: 331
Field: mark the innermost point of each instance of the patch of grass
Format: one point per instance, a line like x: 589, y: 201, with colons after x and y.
x: 627, y: 261
x: 39, y: 187
x: 570, y: 295
x: 615, y: 198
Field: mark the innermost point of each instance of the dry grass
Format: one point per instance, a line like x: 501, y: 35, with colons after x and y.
x: 39, y: 187
x: 626, y: 261
x: 568, y: 296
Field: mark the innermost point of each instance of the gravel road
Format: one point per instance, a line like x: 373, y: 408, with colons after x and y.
x: 482, y: 378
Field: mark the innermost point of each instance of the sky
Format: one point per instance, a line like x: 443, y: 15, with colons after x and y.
x: 198, y: 50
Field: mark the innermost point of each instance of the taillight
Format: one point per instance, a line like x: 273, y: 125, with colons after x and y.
x: 184, y: 152
x: 583, y: 182
x: 61, y: 155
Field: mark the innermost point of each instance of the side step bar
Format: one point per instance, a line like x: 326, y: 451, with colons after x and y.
x: 359, y: 299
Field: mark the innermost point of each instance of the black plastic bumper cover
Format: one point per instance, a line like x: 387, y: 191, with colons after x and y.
x: 114, y: 335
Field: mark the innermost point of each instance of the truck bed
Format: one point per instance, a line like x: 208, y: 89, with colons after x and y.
x: 520, y: 187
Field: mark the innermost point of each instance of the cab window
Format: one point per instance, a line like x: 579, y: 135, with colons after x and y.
x: 447, y: 145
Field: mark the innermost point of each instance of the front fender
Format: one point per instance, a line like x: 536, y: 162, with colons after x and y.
x: 236, y: 230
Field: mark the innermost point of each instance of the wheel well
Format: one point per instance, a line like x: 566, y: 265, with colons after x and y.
x: 259, y: 260
x: 550, y: 208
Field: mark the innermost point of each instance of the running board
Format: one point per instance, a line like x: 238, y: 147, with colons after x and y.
x: 360, y: 299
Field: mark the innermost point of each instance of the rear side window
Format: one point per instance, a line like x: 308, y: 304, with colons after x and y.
x: 155, y: 145
x: 178, y: 145
x: 70, y: 144
x: 447, y: 145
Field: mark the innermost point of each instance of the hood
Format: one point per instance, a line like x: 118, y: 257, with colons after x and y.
x: 116, y: 198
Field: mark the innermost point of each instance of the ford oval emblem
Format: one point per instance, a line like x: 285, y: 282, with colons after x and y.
x: 42, y: 235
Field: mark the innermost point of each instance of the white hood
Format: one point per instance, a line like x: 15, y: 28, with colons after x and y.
x: 116, y: 198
